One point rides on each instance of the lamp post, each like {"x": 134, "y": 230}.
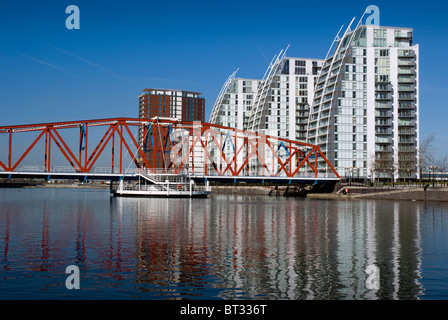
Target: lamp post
{"x": 350, "y": 175}
{"x": 392, "y": 176}
{"x": 442, "y": 176}
{"x": 430, "y": 169}
{"x": 434, "y": 175}
{"x": 346, "y": 170}
{"x": 433, "y": 168}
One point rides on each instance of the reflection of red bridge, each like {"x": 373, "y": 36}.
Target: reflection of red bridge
{"x": 199, "y": 149}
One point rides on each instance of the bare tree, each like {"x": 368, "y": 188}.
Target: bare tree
{"x": 425, "y": 153}
{"x": 382, "y": 165}
{"x": 442, "y": 165}
{"x": 442, "y": 162}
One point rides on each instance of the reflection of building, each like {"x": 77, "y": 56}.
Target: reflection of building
{"x": 383, "y": 234}
{"x": 258, "y": 249}
{"x": 166, "y": 103}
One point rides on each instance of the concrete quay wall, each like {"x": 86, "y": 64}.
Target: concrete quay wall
{"x": 412, "y": 194}
{"x": 254, "y": 190}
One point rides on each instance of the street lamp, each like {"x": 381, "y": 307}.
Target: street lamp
{"x": 430, "y": 170}
{"x": 442, "y": 176}
{"x": 392, "y": 176}
{"x": 346, "y": 170}
{"x": 433, "y": 169}
{"x": 434, "y": 175}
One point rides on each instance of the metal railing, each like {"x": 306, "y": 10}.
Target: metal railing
{"x": 63, "y": 169}
{"x": 161, "y": 188}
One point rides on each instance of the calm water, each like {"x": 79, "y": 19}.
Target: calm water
{"x": 224, "y": 247}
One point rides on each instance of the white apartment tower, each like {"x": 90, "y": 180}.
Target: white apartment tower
{"x": 235, "y": 102}
{"x": 278, "y": 105}
{"x": 365, "y": 111}
{"x": 282, "y": 103}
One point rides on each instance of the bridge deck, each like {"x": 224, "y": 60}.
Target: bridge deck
{"x": 134, "y": 176}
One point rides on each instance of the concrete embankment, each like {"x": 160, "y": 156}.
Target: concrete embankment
{"x": 253, "y": 190}
{"x": 407, "y": 194}
{"x": 273, "y": 191}
{"x": 343, "y": 193}
{"x": 56, "y": 185}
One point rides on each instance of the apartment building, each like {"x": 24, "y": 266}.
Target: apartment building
{"x": 277, "y": 105}
{"x": 365, "y": 111}
{"x": 167, "y": 103}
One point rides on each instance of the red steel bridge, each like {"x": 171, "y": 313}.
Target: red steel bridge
{"x": 116, "y": 148}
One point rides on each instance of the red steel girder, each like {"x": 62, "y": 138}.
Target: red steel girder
{"x": 248, "y": 146}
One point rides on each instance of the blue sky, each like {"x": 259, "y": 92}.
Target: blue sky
{"x": 50, "y": 73}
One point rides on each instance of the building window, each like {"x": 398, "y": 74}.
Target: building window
{"x": 379, "y": 33}
{"x": 300, "y": 70}
{"x": 384, "y": 52}
{"x": 379, "y": 42}
{"x": 285, "y": 69}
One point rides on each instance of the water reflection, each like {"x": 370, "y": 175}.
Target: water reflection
{"x": 255, "y": 247}
{"x": 225, "y": 247}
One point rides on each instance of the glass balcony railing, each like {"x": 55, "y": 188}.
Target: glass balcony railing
{"x": 383, "y": 131}
{"x": 406, "y": 122}
{"x": 382, "y": 122}
{"x": 383, "y": 114}
{"x": 406, "y": 63}
{"x": 406, "y": 96}
{"x": 383, "y": 96}
{"x": 383, "y": 148}
{"x": 407, "y": 105}
{"x": 403, "y": 87}
{"x": 406, "y": 114}
{"x": 383, "y": 87}
{"x": 403, "y": 35}
{"x": 406, "y": 71}
{"x": 406, "y": 53}
{"x": 406, "y": 79}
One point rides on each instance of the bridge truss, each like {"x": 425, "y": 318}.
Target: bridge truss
{"x": 194, "y": 148}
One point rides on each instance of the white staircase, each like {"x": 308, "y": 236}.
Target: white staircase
{"x": 162, "y": 177}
